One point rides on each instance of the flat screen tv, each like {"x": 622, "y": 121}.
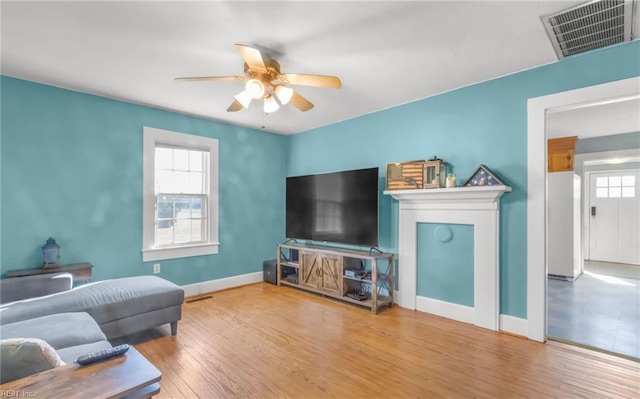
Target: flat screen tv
{"x": 340, "y": 207}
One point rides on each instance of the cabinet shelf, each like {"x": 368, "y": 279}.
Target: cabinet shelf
{"x": 381, "y": 277}
{"x": 321, "y": 270}
{"x": 382, "y": 301}
{"x": 289, "y": 263}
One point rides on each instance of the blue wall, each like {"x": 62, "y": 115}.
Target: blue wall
{"x": 72, "y": 169}
{"x": 445, "y": 262}
{"x": 483, "y": 123}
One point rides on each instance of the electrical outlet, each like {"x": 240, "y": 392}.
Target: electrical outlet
{"x": 156, "y": 268}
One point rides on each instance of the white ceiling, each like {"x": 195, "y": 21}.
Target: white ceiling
{"x": 595, "y": 120}
{"x": 385, "y": 53}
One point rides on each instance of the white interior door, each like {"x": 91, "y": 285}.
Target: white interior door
{"x": 614, "y": 217}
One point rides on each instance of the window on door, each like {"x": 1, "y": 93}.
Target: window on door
{"x": 622, "y": 186}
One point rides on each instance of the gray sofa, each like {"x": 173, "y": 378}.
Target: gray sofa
{"x": 120, "y": 306}
{"x": 77, "y": 321}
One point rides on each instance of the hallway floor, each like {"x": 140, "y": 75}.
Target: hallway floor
{"x": 597, "y": 310}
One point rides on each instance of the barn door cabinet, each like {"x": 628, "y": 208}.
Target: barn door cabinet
{"x": 338, "y": 273}
{"x": 320, "y": 272}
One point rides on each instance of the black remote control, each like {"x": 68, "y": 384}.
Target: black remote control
{"x": 102, "y": 355}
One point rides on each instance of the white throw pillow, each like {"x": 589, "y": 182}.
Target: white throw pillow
{"x": 20, "y": 357}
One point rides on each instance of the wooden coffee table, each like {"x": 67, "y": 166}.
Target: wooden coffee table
{"x": 129, "y": 374}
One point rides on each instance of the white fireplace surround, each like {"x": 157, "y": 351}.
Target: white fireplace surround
{"x": 477, "y": 206}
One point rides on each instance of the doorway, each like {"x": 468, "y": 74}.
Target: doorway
{"x": 599, "y": 307}
{"x": 538, "y": 109}
{"x": 590, "y": 300}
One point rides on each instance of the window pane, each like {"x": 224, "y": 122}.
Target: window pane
{"x": 614, "y": 192}
{"x": 164, "y": 235}
{"x": 164, "y": 158}
{"x": 164, "y": 220}
{"x": 182, "y": 230}
{"x": 183, "y": 208}
{"x": 602, "y": 181}
{"x": 601, "y": 192}
{"x": 628, "y": 181}
{"x": 628, "y": 192}
{"x": 195, "y": 183}
{"x": 164, "y": 181}
{"x": 164, "y": 207}
{"x": 197, "y": 229}
{"x": 181, "y": 182}
{"x": 181, "y": 159}
{"x": 195, "y": 161}
{"x": 615, "y": 181}
{"x": 196, "y": 209}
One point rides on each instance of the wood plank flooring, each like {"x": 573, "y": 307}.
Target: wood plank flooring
{"x": 263, "y": 341}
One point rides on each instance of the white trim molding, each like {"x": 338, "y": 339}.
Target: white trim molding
{"x": 477, "y": 206}
{"x": 449, "y": 310}
{"x": 513, "y": 325}
{"x": 537, "y": 108}
{"x": 151, "y": 138}
{"x": 222, "y": 284}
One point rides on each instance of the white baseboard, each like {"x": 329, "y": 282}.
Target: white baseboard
{"x": 513, "y": 325}
{"x": 449, "y": 310}
{"x": 221, "y": 284}
{"x": 465, "y": 314}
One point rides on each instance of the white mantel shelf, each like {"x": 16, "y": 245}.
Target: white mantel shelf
{"x": 459, "y": 194}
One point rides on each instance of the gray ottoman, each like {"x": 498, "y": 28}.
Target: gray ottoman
{"x": 120, "y": 306}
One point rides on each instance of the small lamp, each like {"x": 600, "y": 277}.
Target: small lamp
{"x": 435, "y": 173}
{"x": 50, "y": 253}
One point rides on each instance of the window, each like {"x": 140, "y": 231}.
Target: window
{"x": 180, "y": 209}
{"x": 616, "y": 187}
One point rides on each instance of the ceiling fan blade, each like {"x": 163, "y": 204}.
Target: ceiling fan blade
{"x": 235, "y": 106}
{"x": 201, "y": 78}
{"x": 300, "y": 102}
{"x": 251, "y": 56}
{"x": 331, "y": 82}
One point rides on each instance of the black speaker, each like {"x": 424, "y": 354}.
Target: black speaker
{"x": 269, "y": 271}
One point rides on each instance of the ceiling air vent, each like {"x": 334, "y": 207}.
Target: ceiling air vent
{"x": 589, "y": 26}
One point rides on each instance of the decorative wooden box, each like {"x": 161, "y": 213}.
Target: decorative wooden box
{"x": 405, "y": 175}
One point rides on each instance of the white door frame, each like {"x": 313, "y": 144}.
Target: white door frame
{"x": 537, "y": 109}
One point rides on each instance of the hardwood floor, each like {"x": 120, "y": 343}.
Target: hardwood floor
{"x": 263, "y": 341}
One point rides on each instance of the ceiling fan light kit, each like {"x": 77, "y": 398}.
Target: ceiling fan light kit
{"x": 265, "y": 81}
{"x": 270, "y": 104}
{"x": 243, "y": 98}
{"x": 255, "y": 88}
{"x": 284, "y": 94}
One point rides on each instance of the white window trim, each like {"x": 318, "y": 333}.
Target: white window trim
{"x": 152, "y": 137}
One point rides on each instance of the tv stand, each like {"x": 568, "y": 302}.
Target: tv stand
{"x": 357, "y": 277}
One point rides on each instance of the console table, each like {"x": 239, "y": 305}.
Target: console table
{"x": 81, "y": 272}
{"x": 128, "y": 376}
{"x": 358, "y": 277}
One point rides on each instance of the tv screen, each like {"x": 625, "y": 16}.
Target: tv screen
{"x": 340, "y": 207}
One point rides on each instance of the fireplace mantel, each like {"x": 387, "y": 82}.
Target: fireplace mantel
{"x": 458, "y": 195}
{"x": 477, "y": 206}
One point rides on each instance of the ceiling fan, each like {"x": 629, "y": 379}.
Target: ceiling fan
{"x": 265, "y": 81}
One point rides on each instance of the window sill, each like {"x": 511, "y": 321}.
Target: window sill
{"x": 154, "y": 254}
